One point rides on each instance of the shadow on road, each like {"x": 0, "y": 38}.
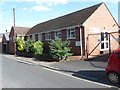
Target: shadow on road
{"x": 97, "y": 76}
{"x": 99, "y": 61}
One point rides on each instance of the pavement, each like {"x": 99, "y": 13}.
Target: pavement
{"x": 93, "y": 70}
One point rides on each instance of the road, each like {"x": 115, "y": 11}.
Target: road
{"x": 16, "y": 74}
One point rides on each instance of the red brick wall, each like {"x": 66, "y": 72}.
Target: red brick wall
{"x": 75, "y": 49}
{"x": 43, "y": 37}
{"x": 52, "y": 35}
{"x": 64, "y": 35}
{"x": 12, "y": 44}
{"x": 12, "y": 47}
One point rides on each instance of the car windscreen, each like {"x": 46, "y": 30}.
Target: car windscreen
{"x": 118, "y": 54}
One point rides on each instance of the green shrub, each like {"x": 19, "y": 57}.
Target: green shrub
{"x": 38, "y": 47}
{"x": 60, "y": 49}
{"x": 20, "y": 44}
{"x": 35, "y": 47}
{"x": 29, "y": 46}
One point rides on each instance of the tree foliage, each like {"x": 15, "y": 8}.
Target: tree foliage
{"x": 20, "y": 44}
{"x": 38, "y": 47}
{"x": 60, "y": 49}
{"x": 29, "y": 46}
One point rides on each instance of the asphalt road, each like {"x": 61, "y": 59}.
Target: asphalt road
{"x": 17, "y": 74}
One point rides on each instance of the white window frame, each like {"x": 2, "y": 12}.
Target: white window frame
{"x": 39, "y": 37}
{"x": 104, "y": 42}
{"x": 69, "y": 33}
{"x": 47, "y": 36}
{"x": 57, "y": 33}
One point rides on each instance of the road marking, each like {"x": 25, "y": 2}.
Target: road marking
{"x": 110, "y": 86}
{"x": 24, "y": 62}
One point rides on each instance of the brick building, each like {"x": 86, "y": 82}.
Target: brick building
{"x": 84, "y": 29}
{"x": 15, "y": 33}
{"x": 5, "y": 42}
{"x": 76, "y": 27}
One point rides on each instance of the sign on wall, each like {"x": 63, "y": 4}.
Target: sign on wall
{"x": 77, "y": 43}
{"x": 94, "y": 30}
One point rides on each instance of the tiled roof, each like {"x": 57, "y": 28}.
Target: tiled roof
{"x": 75, "y": 18}
{"x": 22, "y": 30}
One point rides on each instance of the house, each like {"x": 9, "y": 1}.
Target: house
{"x": 1, "y": 35}
{"x": 84, "y": 29}
{"x": 5, "y": 42}
{"x": 16, "y": 33}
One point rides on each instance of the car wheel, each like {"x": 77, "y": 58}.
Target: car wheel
{"x": 113, "y": 77}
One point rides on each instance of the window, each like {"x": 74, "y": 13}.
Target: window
{"x": 58, "y": 35}
{"x": 71, "y": 34}
{"x": 47, "y": 36}
{"x": 104, "y": 41}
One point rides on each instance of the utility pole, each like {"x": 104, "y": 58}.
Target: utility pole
{"x": 14, "y": 16}
{"x": 14, "y": 22}
{"x": 14, "y": 32}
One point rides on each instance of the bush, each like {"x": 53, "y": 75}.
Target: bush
{"x": 20, "y": 44}
{"x": 59, "y": 49}
{"x": 29, "y": 46}
{"x": 35, "y": 47}
{"x": 38, "y": 47}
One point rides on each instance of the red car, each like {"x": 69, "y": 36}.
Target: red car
{"x": 113, "y": 67}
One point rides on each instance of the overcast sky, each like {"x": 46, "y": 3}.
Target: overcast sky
{"x": 32, "y": 12}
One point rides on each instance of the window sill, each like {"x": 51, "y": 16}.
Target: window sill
{"x": 48, "y": 40}
{"x": 71, "y": 38}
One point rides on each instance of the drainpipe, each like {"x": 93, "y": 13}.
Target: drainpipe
{"x": 81, "y": 47}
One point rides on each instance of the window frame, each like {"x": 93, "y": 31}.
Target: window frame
{"x": 46, "y": 36}
{"x": 56, "y": 34}
{"x": 69, "y": 33}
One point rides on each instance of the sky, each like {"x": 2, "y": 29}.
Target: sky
{"x": 31, "y": 12}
